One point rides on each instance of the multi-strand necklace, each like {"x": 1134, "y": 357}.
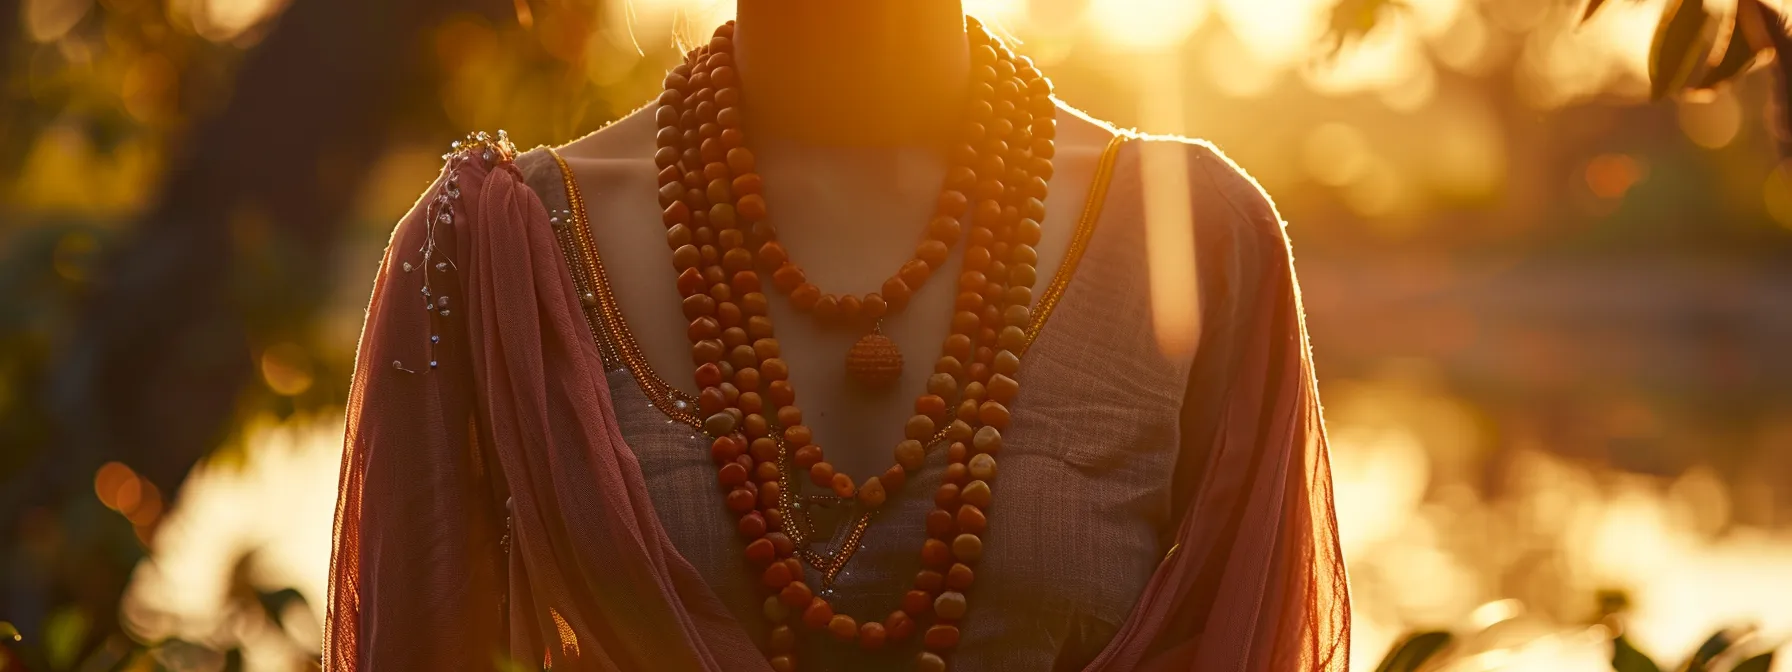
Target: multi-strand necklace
{"x": 722, "y": 239}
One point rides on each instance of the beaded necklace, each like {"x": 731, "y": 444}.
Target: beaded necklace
{"x": 717, "y": 227}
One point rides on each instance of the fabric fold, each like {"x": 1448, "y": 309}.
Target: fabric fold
{"x": 497, "y": 361}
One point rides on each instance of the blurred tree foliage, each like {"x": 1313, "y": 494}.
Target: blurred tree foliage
{"x": 202, "y": 169}
{"x": 183, "y": 179}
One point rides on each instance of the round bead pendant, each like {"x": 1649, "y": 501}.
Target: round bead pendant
{"x": 874, "y": 361}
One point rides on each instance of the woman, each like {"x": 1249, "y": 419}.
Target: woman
{"x": 563, "y": 448}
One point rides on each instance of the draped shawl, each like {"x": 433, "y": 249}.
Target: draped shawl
{"x": 489, "y": 509}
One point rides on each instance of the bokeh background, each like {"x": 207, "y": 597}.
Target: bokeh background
{"x": 1551, "y": 317}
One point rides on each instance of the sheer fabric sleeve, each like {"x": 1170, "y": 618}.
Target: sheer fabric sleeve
{"x": 413, "y": 575}
{"x": 500, "y": 364}
{"x": 1254, "y": 579}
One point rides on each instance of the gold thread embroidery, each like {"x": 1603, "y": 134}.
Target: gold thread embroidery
{"x": 1079, "y": 242}
{"x": 601, "y": 309}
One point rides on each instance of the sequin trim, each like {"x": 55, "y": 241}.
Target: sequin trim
{"x": 439, "y": 213}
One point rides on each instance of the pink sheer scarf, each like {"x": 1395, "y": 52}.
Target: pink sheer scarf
{"x": 489, "y": 387}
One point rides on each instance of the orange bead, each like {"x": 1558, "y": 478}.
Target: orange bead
{"x": 874, "y": 306}
{"x": 943, "y": 384}
{"x": 929, "y": 581}
{"x": 960, "y": 577}
{"x": 782, "y": 663}
{"x": 798, "y": 435}
{"x": 894, "y": 477}
{"x": 776, "y": 576}
{"x": 976, "y": 258}
{"x": 940, "y": 637}
{"x": 843, "y": 627}
{"x": 741, "y": 500}
{"x": 965, "y": 322}
{"x": 987, "y": 440}
{"x": 760, "y": 551}
{"x": 779, "y": 392}
{"x": 914, "y": 272}
{"x": 782, "y": 640}
{"x": 707, "y": 350}
{"x": 957, "y": 452}
{"x": 934, "y": 553}
{"x": 781, "y": 544}
{"x": 946, "y": 497}
{"x": 788, "y": 276}
{"x": 750, "y": 207}
{"x": 699, "y": 305}
{"x": 951, "y": 203}
{"x": 899, "y": 625}
{"x": 967, "y": 410}
{"x": 944, "y": 229}
{"x": 749, "y": 183}
{"x": 790, "y": 415}
{"x": 959, "y": 431}
{"x": 807, "y": 457}
{"x": 917, "y": 602}
{"x": 967, "y": 548}
{"x": 775, "y": 370}
{"x": 745, "y": 282}
{"x": 740, "y": 159}
{"x": 826, "y": 308}
{"x": 805, "y": 296}
{"x": 872, "y": 636}
{"x": 971, "y": 520}
{"x": 950, "y": 605}
{"x": 763, "y": 449}
{"x": 795, "y": 594}
{"x": 849, "y": 306}
{"x": 982, "y": 467}
{"x": 956, "y": 474}
{"x": 940, "y": 524}
{"x": 993, "y": 414}
{"x": 822, "y": 474}
{"x": 818, "y": 613}
{"x": 896, "y": 291}
{"x": 932, "y": 406}
{"x": 1001, "y": 388}
{"x": 933, "y": 252}
{"x": 928, "y": 661}
{"x": 690, "y": 281}
{"x": 911, "y": 454}
{"x": 842, "y": 485}
{"x": 919, "y": 427}
{"x": 872, "y": 494}
{"x": 705, "y": 328}
{"x": 732, "y": 473}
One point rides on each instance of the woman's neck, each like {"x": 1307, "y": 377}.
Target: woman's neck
{"x": 851, "y": 72}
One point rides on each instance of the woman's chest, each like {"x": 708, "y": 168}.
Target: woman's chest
{"x": 1078, "y": 505}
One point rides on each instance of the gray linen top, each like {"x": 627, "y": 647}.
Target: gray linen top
{"x": 1088, "y": 463}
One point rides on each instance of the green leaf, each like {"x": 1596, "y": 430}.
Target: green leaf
{"x": 64, "y": 632}
{"x": 1740, "y": 51}
{"x": 1759, "y": 663}
{"x": 1625, "y": 657}
{"x": 1676, "y": 52}
{"x": 1413, "y": 651}
{"x": 1717, "y": 643}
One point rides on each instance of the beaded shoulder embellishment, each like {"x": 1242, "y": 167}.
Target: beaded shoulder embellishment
{"x": 494, "y": 150}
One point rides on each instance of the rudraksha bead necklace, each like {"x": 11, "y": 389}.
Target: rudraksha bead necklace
{"x": 717, "y": 226}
